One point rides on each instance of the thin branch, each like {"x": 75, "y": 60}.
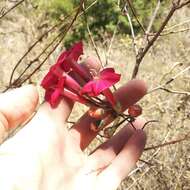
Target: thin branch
{"x": 39, "y": 40}
{"x": 180, "y": 73}
{"x": 135, "y": 15}
{"x": 171, "y": 70}
{"x": 172, "y": 32}
{"x": 126, "y": 12}
{"x": 91, "y": 37}
{"x": 186, "y": 137}
{"x": 18, "y": 80}
{"x": 169, "y": 81}
{"x": 142, "y": 52}
{"x": 176, "y": 25}
{"x": 182, "y": 4}
{"x": 175, "y": 92}
{"x": 153, "y": 17}
{"x": 111, "y": 42}
{"x": 65, "y": 32}
{"x": 35, "y": 60}
{"x": 29, "y": 50}
{"x": 9, "y": 10}
{"x": 66, "y": 18}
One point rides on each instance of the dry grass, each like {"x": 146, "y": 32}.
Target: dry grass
{"x": 170, "y": 166}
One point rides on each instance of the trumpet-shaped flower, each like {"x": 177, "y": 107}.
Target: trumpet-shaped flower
{"x": 100, "y": 84}
{"x": 58, "y": 83}
{"x": 106, "y": 79}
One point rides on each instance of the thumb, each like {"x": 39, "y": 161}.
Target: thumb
{"x": 15, "y": 108}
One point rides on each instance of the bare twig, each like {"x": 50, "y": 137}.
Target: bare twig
{"x": 182, "y": 4}
{"x": 172, "y": 32}
{"x": 63, "y": 35}
{"x": 66, "y": 18}
{"x": 13, "y": 7}
{"x": 111, "y": 42}
{"x": 29, "y": 50}
{"x": 186, "y": 137}
{"x": 135, "y": 15}
{"x": 91, "y": 38}
{"x": 151, "y": 121}
{"x": 171, "y": 70}
{"x": 180, "y": 73}
{"x": 175, "y": 92}
{"x": 142, "y": 52}
{"x": 153, "y": 17}
{"x": 19, "y": 79}
{"x": 162, "y": 86}
{"x": 126, "y": 12}
{"x": 176, "y": 25}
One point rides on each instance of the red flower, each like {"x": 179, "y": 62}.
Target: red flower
{"x": 101, "y": 84}
{"x": 58, "y": 83}
{"x": 106, "y": 79}
{"x": 69, "y": 57}
{"x": 53, "y": 96}
{"x": 51, "y": 77}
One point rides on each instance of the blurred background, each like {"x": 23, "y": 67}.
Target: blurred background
{"x": 34, "y": 32}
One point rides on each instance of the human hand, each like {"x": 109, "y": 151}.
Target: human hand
{"x": 46, "y": 155}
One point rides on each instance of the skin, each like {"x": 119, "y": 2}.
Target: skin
{"x": 45, "y": 155}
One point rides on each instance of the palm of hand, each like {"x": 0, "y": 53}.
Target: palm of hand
{"x": 45, "y": 155}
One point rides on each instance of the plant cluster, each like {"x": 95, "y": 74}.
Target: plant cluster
{"x": 88, "y": 85}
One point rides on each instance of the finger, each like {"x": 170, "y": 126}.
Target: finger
{"x": 91, "y": 65}
{"x": 124, "y": 162}
{"x": 106, "y": 152}
{"x": 127, "y": 95}
{"x": 57, "y": 116}
{"x": 15, "y": 107}
{"x": 50, "y": 121}
{"x": 45, "y": 133}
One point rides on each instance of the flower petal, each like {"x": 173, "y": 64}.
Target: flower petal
{"x": 49, "y": 80}
{"x": 76, "y": 51}
{"x": 55, "y": 98}
{"x": 67, "y": 57}
{"x": 71, "y": 83}
{"x": 48, "y": 94}
{"x": 107, "y": 71}
{"x": 109, "y": 74}
{"x": 95, "y": 87}
{"x": 80, "y": 71}
{"x": 109, "y": 97}
{"x": 73, "y": 96}
{"x": 89, "y": 88}
{"x": 62, "y": 57}
{"x": 108, "y": 77}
